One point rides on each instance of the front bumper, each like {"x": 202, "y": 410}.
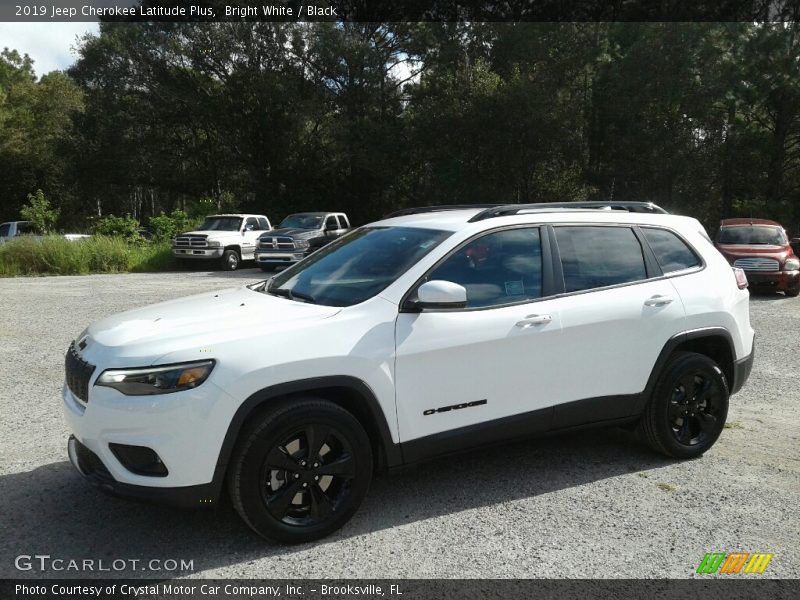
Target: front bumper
{"x": 777, "y": 280}
{"x": 185, "y": 429}
{"x": 198, "y": 252}
{"x": 91, "y": 468}
{"x": 280, "y": 258}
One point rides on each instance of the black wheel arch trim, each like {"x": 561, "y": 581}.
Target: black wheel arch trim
{"x": 737, "y": 374}
{"x": 392, "y": 456}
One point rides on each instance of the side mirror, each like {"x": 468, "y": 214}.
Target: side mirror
{"x": 441, "y": 294}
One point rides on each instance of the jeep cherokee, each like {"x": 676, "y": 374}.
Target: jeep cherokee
{"x": 413, "y": 337}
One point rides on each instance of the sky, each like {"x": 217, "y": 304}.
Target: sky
{"x": 48, "y": 44}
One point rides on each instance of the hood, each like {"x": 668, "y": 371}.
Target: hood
{"x": 293, "y": 233}
{"x": 212, "y": 233}
{"x": 195, "y": 324}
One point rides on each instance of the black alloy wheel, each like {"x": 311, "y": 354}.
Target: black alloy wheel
{"x": 688, "y": 408}
{"x": 308, "y": 476}
{"x": 300, "y": 470}
{"x": 695, "y": 408}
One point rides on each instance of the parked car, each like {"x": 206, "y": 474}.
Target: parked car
{"x": 760, "y": 247}
{"x": 228, "y": 239}
{"x": 297, "y": 236}
{"x": 13, "y": 229}
{"x": 398, "y": 343}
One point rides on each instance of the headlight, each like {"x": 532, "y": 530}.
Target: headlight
{"x": 157, "y": 380}
{"x": 213, "y": 244}
{"x": 792, "y": 264}
{"x": 301, "y": 244}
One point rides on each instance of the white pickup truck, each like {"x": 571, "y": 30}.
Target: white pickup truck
{"x": 229, "y": 239}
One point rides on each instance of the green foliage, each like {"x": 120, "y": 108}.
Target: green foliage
{"x": 39, "y": 211}
{"x": 125, "y": 227}
{"x": 165, "y": 227}
{"x": 53, "y": 255}
{"x": 703, "y": 118}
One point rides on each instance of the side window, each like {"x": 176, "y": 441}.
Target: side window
{"x": 5, "y": 229}
{"x": 343, "y": 224}
{"x": 497, "y": 268}
{"x": 263, "y": 224}
{"x": 331, "y": 223}
{"x": 594, "y": 257}
{"x": 671, "y": 251}
{"x": 251, "y": 224}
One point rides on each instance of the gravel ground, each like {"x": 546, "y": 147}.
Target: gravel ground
{"x": 594, "y": 504}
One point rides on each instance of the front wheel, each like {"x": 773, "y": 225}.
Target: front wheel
{"x": 687, "y": 411}
{"x": 300, "y": 470}
{"x": 230, "y": 260}
{"x": 792, "y": 293}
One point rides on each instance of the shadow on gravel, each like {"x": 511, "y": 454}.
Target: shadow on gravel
{"x": 767, "y": 296}
{"x": 50, "y": 510}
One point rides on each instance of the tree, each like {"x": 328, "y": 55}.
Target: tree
{"x": 39, "y": 211}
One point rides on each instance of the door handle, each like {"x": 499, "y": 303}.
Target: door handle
{"x": 658, "y": 300}
{"x": 534, "y": 320}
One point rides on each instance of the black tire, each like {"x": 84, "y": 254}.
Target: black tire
{"x": 688, "y": 408}
{"x": 230, "y": 260}
{"x": 792, "y": 293}
{"x": 300, "y": 470}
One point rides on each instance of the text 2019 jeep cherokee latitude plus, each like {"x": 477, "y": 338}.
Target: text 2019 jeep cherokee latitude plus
{"x": 412, "y": 337}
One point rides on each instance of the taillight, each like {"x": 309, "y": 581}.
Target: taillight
{"x": 741, "y": 278}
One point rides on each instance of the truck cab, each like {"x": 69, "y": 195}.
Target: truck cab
{"x": 12, "y": 229}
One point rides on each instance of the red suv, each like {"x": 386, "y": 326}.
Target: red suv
{"x": 761, "y": 248}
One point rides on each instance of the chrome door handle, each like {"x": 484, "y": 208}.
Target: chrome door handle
{"x": 534, "y": 320}
{"x": 658, "y": 300}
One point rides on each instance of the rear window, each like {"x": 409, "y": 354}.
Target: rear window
{"x": 753, "y": 235}
{"x": 594, "y": 257}
{"x": 671, "y": 252}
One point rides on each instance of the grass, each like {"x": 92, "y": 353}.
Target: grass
{"x": 666, "y": 487}
{"x": 733, "y": 425}
{"x": 53, "y": 255}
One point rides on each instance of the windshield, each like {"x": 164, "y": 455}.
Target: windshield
{"x": 357, "y": 266}
{"x": 221, "y": 224}
{"x": 753, "y": 235}
{"x": 301, "y": 222}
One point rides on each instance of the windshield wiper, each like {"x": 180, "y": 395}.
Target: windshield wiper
{"x": 292, "y": 295}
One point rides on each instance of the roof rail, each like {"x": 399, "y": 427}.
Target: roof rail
{"x": 436, "y": 208}
{"x": 515, "y": 209}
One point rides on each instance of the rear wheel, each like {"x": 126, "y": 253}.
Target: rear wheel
{"x": 300, "y": 470}
{"x": 230, "y": 260}
{"x": 687, "y": 411}
{"x": 793, "y": 293}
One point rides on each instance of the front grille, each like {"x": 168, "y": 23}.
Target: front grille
{"x": 757, "y": 264}
{"x": 276, "y": 243}
{"x": 78, "y": 373}
{"x": 191, "y": 241}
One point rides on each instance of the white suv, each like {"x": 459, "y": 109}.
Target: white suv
{"x": 413, "y": 337}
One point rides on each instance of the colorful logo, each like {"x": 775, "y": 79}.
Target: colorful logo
{"x": 734, "y": 563}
